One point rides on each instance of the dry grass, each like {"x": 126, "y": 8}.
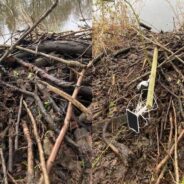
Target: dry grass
{"x": 109, "y": 23}
{"x": 111, "y": 19}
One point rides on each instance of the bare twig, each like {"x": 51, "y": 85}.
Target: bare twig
{"x": 167, "y": 89}
{"x": 58, "y": 111}
{"x": 29, "y": 30}
{"x": 158, "y": 141}
{"x": 169, "y": 142}
{"x": 162, "y": 46}
{"x": 40, "y": 149}
{"x": 10, "y": 145}
{"x": 63, "y": 61}
{"x": 3, "y": 166}
{"x": 80, "y": 8}
{"x": 109, "y": 143}
{"x": 171, "y": 131}
{"x": 42, "y": 74}
{"x": 17, "y": 123}
{"x": 30, "y": 171}
{"x": 166, "y": 158}
{"x": 177, "y": 70}
{"x": 46, "y": 116}
{"x": 168, "y": 60}
{"x": 161, "y": 175}
{"x": 11, "y": 178}
{"x": 176, "y": 146}
{"x": 64, "y": 129}
{"x": 177, "y": 97}
{"x": 121, "y": 51}
{"x": 68, "y": 116}
{"x": 67, "y": 97}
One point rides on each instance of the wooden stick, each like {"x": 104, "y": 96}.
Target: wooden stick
{"x": 63, "y": 61}
{"x": 67, "y": 97}
{"x": 29, "y": 30}
{"x": 168, "y": 60}
{"x": 17, "y": 123}
{"x": 3, "y": 166}
{"x": 147, "y": 73}
{"x": 161, "y": 46}
{"x": 176, "y": 146}
{"x": 11, "y": 178}
{"x": 65, "y": 126}
{"x": 44, "y": 75}
{"x": 161, "y": 175}
{"x": 10, "y": 146}
{"x": 171, "y": 131}
{"x": 166, "y": 158}
{"x": 30, "y": 165}
{"x": 40, "y": 149}
{"x": 47, "y": 117}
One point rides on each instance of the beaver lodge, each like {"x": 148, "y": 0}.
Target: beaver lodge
{"x": 71, "y": 116}
{"x": 155, "y": 155}
{"x": 45, "y": 84}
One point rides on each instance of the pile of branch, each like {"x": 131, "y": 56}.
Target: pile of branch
{"x": 45, "y": 94}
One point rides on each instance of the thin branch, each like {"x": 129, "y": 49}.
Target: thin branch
{"x": 171, "y": 131}
{"x": 166, "y": 158}
{"x": 176, "y": 146}
{"x": 162, "y": 46}
{"x": 168, "y": 60}
{"x": 30, "y": 165}
{"x": 63, "y": 61}
{"x": 47, "y": 117}
{"x": 11, "y": 178}
{"x": 177, "y": 70}
{"x": 17, "y": 123}
{"x": 161, "y": 175}
{"x": 67, "y": 97}
{"x": 3, "y": 166}
{"x": 44, "y": 75}
{"x": 10, "y": 146}
{"x": 40, "y": 149}
{"x": 65, "y": 126}
{"x": 64, "y": 129}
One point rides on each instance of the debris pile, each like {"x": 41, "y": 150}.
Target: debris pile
{"x": 45, "y": 87}
{"x": 156, "y": 153}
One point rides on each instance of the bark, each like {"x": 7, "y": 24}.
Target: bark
{"x": 67, "y": 48}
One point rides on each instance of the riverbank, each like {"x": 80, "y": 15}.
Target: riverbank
{"x": 121, "y": 155}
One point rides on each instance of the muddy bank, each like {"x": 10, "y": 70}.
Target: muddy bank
{"x": 121, "y": 155}
{"x": 46, "y": 91}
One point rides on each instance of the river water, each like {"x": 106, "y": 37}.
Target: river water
{"x": 165, "y": 15}
{"x": 15, "y": 15}
{"x": 19, "y": 14}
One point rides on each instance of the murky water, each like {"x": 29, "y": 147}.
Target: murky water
{"x": 165, "y": 15}
{"x": 19, "y": 14}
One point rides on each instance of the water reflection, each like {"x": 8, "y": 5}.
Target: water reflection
{"x": 21, "y": 13}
